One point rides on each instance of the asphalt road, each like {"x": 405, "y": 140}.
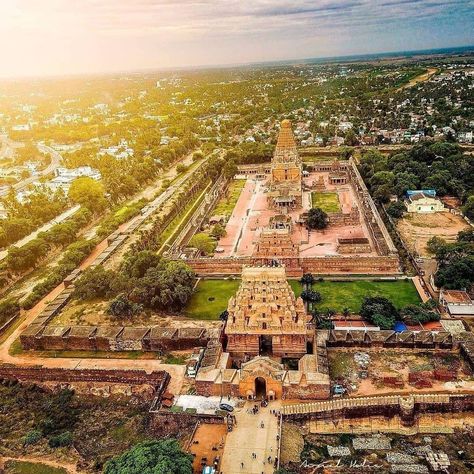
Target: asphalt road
{"x": 56, "y": 159}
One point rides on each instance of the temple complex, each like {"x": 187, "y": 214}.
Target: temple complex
{"x": 268, "y": 223}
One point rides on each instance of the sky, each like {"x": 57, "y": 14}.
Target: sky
{"x": 51, "y": 37}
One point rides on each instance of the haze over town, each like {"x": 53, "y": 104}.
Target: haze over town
{"x": 56, "y": 37}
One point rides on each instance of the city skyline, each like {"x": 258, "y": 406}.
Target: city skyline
{"x": 56, "y": 37}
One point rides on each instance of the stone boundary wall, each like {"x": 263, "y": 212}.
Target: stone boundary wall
{"x": 379, "y": 232}
{"x": 391, "y": 339}
{"x": 37, "y": 374}
{"x": 295, "y": 267}
{"x": 200, "y": 214}
{"x": 406, "y": 407}
{"x": 110, "y": 338}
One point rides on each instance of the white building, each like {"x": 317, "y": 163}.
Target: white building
{"x": 457, "y": 303}
{"x": 423, "y": 201}
{"x": 65, "y": 177}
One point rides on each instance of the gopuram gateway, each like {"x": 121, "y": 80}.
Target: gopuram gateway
{"x": 267, "y": 331}
{"x": 268, "y": 223}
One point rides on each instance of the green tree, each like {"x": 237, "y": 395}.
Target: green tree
{"x": 396, "y": 209}
{"x": 317, "y": 219}
{"x": 203, "y": 242}
{"x": 218, "y": 231}
{"x": 380, "y": 311}
{"x": 468, "y": 208}
{"x": 121, "y": 306}
{"x": 98, "y": 283}
{"x": 88, "y": 193}
{"x": 382, "y": 321}
{"x": 152, "y": 457}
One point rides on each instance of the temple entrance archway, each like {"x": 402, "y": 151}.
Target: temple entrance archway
{"x": 260, "y": 388}
{"x": 265, "y": 344}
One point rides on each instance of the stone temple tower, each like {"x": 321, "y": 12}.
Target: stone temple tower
{"x": 285, "y": 187}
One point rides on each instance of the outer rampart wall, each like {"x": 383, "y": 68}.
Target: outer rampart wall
{"x": 43, "y": 374}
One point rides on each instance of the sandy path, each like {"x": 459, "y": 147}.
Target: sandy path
{"x": 70, "y": 468}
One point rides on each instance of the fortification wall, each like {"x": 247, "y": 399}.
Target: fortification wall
{"x": 407, "y": 408}
{"x": 94, "y": 381}
{"x": 90, "y": 338}
{"x": 370, "y": 265}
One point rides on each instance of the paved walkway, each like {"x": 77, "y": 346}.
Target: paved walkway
{"x": 249, "y": 437}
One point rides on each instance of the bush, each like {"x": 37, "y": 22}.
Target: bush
{"x": 61, "y": 440}
{"x": 414, "y": 314}
{"x": 8, "y": 309}
{"x": 32, "y": 437}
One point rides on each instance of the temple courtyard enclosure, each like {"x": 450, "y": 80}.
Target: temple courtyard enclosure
{"x": 252, "y": 213}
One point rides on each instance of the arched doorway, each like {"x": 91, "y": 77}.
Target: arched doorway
{"x": 260, "y": 388}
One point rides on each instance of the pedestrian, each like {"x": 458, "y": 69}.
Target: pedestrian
{"x": 241, "y": 465}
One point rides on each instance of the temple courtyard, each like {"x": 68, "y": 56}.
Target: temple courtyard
{"x": 253, "y": 213}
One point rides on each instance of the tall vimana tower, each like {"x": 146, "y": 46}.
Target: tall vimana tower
{"x": 285, "y": 188}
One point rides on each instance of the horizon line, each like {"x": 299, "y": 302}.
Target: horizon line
{"x": 355, "y": 57}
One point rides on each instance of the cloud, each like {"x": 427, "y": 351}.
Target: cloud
{"x": 164, "y": 32}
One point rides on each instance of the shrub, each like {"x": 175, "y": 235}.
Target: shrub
{"x": 61, "y": 440}
{"x": 32, "y": 437}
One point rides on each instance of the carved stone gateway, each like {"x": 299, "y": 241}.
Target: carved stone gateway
{"x": 265, "y": 317}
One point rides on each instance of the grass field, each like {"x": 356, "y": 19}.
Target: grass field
{"x": 328, "y": 202}
{"x": 338, "y": 295}
{"x": 227, "y": 203}
{"x": 210, "y": 298}
{"x": 23, "y": 467}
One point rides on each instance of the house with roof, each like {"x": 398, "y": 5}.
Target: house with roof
{"x": 457, "y": 303}
{"x": 423, "y": 201}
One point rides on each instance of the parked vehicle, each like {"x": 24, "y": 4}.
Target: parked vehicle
{"x": 226, "y": 407}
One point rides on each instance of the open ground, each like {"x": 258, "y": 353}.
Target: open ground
{"x": 417, "y": 229}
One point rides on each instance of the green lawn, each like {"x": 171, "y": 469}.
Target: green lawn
{"x": 328, "y": 202}
{"x": 338, "y": 295}
{"x": 23, "y": 467}
{"x": 227, "y": 203}
{"x": 210, "y": 298}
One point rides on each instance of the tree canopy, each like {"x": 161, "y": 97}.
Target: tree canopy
{"x": 317, "y": 219}
{"x": 152, "y": 457}
{"x": 88, "y": 193}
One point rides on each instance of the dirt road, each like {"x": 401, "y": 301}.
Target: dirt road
{"x": 70, "y": 468}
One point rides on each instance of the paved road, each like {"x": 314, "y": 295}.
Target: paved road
{"x": 56, "y": 159}
{"x": 249, "y": 437}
